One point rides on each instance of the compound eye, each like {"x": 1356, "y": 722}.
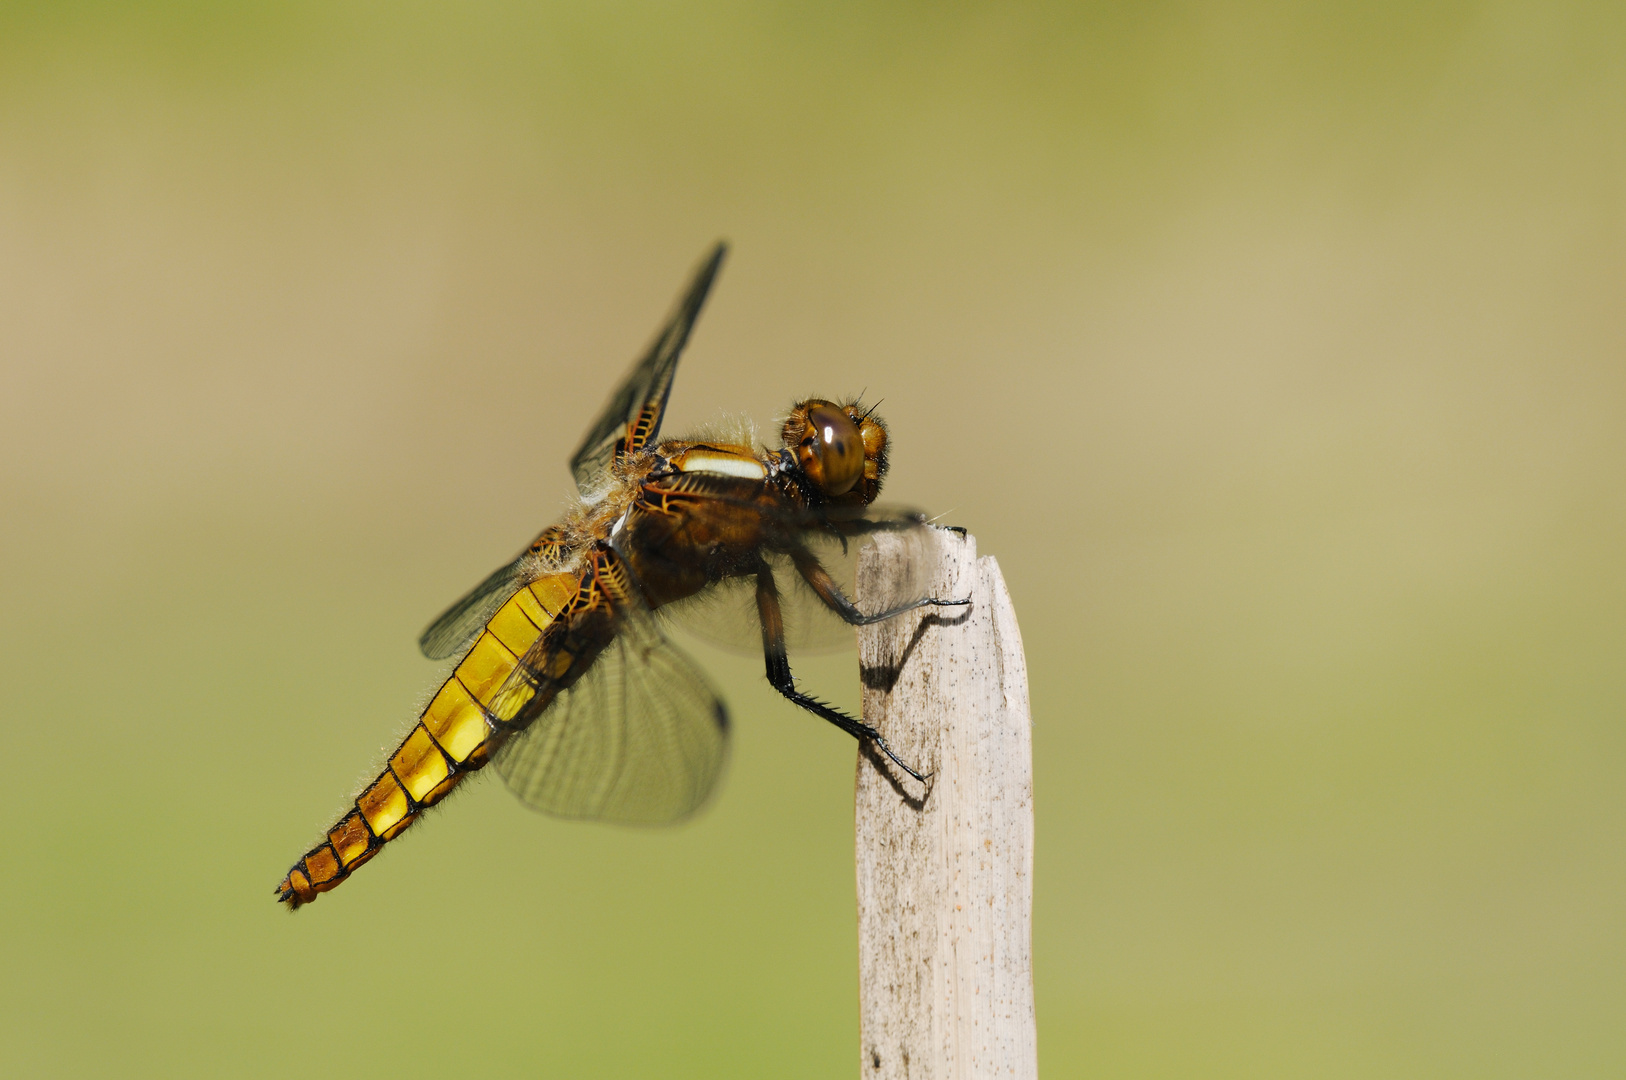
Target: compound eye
{"x": 831, "y": 452}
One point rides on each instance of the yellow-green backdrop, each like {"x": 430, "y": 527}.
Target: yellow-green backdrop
{"x": 1278, "y": 352}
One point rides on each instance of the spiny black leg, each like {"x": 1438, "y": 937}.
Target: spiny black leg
{"x": 814, "y": 573}
{"x": 779, "y": 676}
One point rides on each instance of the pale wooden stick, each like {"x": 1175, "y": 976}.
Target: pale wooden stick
{"x": 945, "y": 869}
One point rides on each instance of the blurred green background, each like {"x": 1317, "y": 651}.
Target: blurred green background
{"x": 1275, "y": 350}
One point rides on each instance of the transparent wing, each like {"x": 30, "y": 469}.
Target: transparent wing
{"x": 635, "y": 410}
{"x": 458, "y": 626}
{"x": 725, "y": 613}
{"x": 640, "y": 738}
{"x": 461, "y": 623}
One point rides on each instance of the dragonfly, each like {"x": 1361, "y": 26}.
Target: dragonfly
{"x": 567, "y": 683}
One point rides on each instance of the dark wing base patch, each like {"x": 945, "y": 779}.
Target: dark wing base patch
{"x": 632, "y": 419}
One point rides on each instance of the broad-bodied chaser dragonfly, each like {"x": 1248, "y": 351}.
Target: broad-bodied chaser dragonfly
{"x": 567, "y": 684}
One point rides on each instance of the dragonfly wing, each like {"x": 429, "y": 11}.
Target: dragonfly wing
{"x": 725, "y": 613}
{"x": 640, "y": 738}
{"x": 632, "y": 418}
{"x": 461, "y": 623}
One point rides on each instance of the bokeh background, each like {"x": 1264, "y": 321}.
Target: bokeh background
{"x": 1275, "y": 350}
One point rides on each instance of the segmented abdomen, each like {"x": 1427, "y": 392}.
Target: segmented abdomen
{"x": 451, "y": 739}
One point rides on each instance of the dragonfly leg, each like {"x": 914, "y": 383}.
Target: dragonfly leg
{"x": 780, "y": 678}
{"x": 814, "y": 573}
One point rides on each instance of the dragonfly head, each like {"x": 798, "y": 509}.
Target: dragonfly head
{"x": 839, "y": 448}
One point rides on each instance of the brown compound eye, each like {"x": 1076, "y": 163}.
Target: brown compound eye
{"x": 831, "y": 451}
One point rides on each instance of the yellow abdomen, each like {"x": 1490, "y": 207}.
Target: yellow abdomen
{"x": 450, "y": 740}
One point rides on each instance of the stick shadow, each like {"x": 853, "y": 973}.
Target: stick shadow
{"x": 884, "y": 677}
{"x": 896, "y": 776}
